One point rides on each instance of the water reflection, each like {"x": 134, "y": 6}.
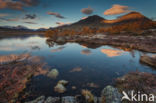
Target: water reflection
{"x": 58, "y": 49}
{"x": 112, "y": 52}
{"x": 92, "y": 72}
{"x": 86, "y": 52}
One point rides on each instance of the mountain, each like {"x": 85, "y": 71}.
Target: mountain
{"x": 95, "y": 21}
{"x": 15, "y": 28}
{"x": 130, "y": 17}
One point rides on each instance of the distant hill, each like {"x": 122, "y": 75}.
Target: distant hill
{"x": 15, "y": 28}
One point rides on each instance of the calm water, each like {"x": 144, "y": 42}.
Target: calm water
{"x": 99, "y": 66}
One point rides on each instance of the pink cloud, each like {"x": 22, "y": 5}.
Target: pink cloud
{"x": 117, "y": 9}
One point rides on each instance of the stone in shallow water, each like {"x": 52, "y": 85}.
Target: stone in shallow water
{"x": 88, "y": 95}
{"x": 53, "y": 73}
{"x": 38, "y": 100}
{"x": 52, "y": 100}
{"x": 110, "y": 95}
{"x": 59, "y": 88}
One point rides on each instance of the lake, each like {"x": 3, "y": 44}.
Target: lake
{"x": 84, "y": 67}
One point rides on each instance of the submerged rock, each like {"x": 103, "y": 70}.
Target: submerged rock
{"x": 7, "y": 59}
{"x": 60, "y": 87}
{"x": 110, "y": 95}
{"x": 88, "y": 96}
{"x": 15, "y": 75}
{"x": 63, "y": 82}
{"x": 38, "y": 100}
{"x": 52, "y": 100}
{"x": 53, "y": 73}
{"x": 149, "y": 60}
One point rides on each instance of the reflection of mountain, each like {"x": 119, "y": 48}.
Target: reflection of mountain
{"x": 111, "y": 52}
{"x": 86, "y": 52}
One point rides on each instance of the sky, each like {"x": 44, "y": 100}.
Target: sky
{"x": 36, "y": 14}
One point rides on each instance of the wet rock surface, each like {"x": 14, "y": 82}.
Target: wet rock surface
{"x": 110, "y": 95}
{"x": 148, "y": 60}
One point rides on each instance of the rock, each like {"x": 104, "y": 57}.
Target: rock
{"x": 151, "y": 61}
{"x": 68, "y": 99}
{"x": 38, "y": 100}
{"x": 73, "y": 87}
{"x": 53, "y": 73}
{"x": 60, "y": 40}
{"x": 110, "y": 95}
{"x": 88, "y": 96}
{"x": 52, "y": 100}
{"x": 63, "y": 82}
{"x": 59, "y": 88}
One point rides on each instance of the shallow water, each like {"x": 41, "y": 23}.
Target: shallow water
{"x": 98, "y": 66}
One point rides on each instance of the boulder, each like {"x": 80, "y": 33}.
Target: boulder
{"x": 53, "y": 73}
{"x": 110, "y": 95}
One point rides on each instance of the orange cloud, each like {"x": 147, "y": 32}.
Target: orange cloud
{"x": 111, "y": 52}
{"x": 117, "y": 9}
{"x": 17, "y": 5}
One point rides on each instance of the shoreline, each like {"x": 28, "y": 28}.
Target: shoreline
{"x": 142, "y": 43}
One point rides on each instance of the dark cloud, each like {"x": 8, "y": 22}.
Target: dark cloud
{"x": 30, "y": 16}
{"x": 31, "y": 2}
{"x": 17, "y": 5}
{"x": 56, "y": 15}
{"x": 30, "y": 22}
{"x": 87, "y": 11}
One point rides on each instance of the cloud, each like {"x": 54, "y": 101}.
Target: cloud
{"x": 10, "y": 19}
{"x": 56, "y": 15}
{"x": 17, "y": 5}
{"x": 30, "y": 16}
{"x": 87, "y": 11}
{"x": 62, "y": 23}
{"x": 3, "y": 15}
{"x": 29, "y": 22}
{"x": 117, "y": 9}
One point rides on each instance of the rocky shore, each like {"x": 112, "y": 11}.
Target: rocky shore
{"x": 143, "y": 43}
{"x": 135, "y": 81}
{"x": 149, "y": 60}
